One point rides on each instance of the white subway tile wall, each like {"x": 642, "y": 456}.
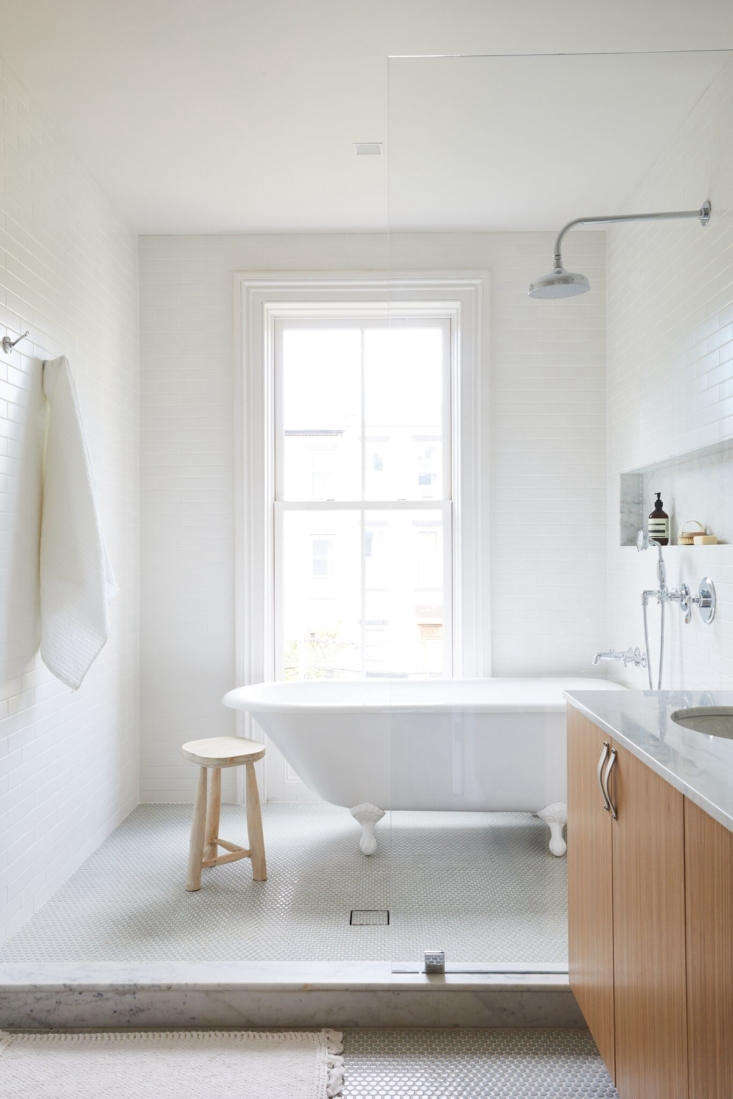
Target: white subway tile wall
{"x": 670, "y": 381}
{"x": 69, "y": 762}
{"x": 547, "y": 522}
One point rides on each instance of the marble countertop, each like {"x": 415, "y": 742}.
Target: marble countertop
{"x": 698, "y": 765}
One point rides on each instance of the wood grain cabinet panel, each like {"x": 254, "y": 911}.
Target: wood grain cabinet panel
{"x": 648, "y": 933}
{"x": 590, "y": 897}
{"x": 650, "y": 922}
{"x": 709, "y": 905}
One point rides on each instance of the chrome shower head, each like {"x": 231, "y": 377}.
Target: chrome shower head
{"x": 559, "y": 284}
{"x": 644, "y": 542}
{"x": 565, "y": 284}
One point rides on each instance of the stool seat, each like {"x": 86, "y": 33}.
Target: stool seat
{"x": 223, "y": 751}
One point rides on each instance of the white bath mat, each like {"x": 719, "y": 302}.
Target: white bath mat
{"x": 193, "y": 1064}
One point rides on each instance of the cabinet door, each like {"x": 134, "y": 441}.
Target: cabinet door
{"x": 590, "y": 896}
{"x": 709, "y": 890}
{"x": 648, "y": 933}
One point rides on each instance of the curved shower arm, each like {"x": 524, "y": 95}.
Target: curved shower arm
{"x": 703, "y": 215}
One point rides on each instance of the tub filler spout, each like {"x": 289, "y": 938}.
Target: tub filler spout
{"x": 368, "y": 816}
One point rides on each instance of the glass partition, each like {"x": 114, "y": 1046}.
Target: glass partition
{"x": 488, "y": 158}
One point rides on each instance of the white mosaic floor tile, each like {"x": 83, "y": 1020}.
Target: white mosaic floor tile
{"x": 473, "y": 1064}
{"x": 481, "y": 886}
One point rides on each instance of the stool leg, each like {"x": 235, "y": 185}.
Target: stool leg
{"x": 198, "y": 828}
{"x": 254, "y": 826}
{"x": 212, "y": 815}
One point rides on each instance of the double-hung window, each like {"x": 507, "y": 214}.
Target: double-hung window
{"x": 363, "y": 494}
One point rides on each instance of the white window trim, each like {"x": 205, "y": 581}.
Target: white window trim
{"x": 259, "y": 298}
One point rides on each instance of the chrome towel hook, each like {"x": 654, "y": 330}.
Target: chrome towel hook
{"x": 9, "y": 344}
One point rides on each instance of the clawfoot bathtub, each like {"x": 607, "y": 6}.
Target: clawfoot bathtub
{"x": 473, "y": 745}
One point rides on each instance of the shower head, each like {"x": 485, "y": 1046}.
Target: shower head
{"x": 644, "y": 542}
{"x": 559, "y": 284}
{"x": 565, "y": 284}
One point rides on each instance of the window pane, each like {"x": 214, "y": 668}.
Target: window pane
{"x": 404, "y": 594}
{"x": 362, "y": 592}
{"x": 321, "y": 410}
{"x": 321, "y": 595}
{"x": 403, "y": 412}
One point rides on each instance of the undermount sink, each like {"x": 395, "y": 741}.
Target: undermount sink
{"x": 713, "y": 720}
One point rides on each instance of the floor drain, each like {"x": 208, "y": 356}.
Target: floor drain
{"x": 369, "y": 917}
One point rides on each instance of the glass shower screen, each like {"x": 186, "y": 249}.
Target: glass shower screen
{"x": 503, "y": 550}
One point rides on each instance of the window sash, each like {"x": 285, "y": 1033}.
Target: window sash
{"x": 445, "y": 507}
{"x": 336, "y": 320}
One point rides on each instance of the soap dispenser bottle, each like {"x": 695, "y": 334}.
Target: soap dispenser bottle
{"x": 658, "y": 525}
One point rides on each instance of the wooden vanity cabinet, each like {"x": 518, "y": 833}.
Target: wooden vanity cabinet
{"x": 590, "y": 886}
{"x": 709, "y": 918}
{"x": 650, "y": 1019}
{"x": 650, "y": 926}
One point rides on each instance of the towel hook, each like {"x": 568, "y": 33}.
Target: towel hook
{"x": 9, "y": 344}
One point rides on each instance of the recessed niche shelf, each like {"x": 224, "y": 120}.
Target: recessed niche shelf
{"x": 697, "y": 485}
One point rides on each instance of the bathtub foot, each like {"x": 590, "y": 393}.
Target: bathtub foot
{"x": 367, "y": 816}
{"x": 555, "y": 817}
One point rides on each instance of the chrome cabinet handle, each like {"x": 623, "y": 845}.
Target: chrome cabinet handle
{"x": 604, "y": 781}
{"x": 599, "y": 772}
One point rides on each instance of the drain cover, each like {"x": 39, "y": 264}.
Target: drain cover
{"x": 369, "y": 917}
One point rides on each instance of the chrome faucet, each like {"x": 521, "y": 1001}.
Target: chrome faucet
{"x": 705, "y": 601}
{"x": 662, "y": 594}
{"x": 629, "y": 656}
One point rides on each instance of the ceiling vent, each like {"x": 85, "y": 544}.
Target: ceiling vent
{"x": 368, "y": 148}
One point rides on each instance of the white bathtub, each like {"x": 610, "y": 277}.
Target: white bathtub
{"x": 480, "y": 744}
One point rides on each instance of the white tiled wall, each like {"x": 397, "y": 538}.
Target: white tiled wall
{"x": 69, "y": 762}
{"x": 670, "y": 376}
{"x": 546, "y": 363}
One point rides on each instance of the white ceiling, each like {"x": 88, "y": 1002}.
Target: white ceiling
{"x": 240, "y": 115}
{"x": 528, "y": 143}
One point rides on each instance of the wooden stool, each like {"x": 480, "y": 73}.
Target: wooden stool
{"x": 218, "y": 752}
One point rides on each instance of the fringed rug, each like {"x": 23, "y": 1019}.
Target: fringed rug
{"x": 192, "y": 1064}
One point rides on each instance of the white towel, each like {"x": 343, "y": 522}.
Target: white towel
{"x": 76, "y": 577}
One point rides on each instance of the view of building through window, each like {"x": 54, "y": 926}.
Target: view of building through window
{"x": 363, "y": 505}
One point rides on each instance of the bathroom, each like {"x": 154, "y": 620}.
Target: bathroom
{"x": 338, "y": 449}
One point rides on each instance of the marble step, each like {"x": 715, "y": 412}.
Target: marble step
{"x": 247, "y": 994}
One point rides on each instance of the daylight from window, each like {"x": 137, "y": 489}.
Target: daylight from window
{"x": 363, "y": 505}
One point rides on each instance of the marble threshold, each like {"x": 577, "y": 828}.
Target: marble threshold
{"x": 248, "y": 994}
